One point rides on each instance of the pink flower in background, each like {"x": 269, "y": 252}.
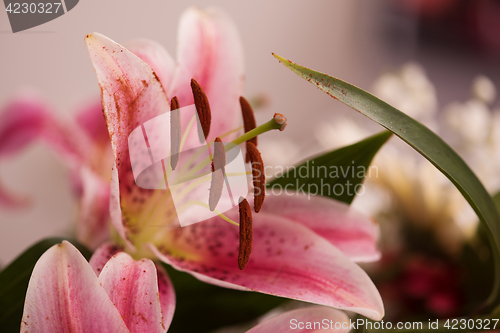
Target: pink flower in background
{"x": 115, "y": 293}
{"x": 302, "y": 249}
{"x": 82, "y": 143}
{"x": 433, "y": 284}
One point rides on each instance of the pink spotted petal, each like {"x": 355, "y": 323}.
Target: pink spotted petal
{"x": 353, "y": 233}
{"x": 306, "y": 320}
{"x": 210, "y": 51}
{"x": 102, "y": 255}
{"x": 167, "y": 296}
{"x": 64, "y": 295}
{"x": 133, "y": 287}
{"x": 155, "y": 56}
{"x": 115, "y": 207}
{"x": 288, "y": 260}
{"x": 93, "y": 226}
{"x": 131, "y": 95}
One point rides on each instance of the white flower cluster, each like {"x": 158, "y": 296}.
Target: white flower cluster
{"x": 408, "y": 188}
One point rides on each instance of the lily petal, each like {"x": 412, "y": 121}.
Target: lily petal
{"x": 24, "y": 120}
{"x": 93, "y": 221}
{"x": 210, "y": 52}
{"x": 167, "y": 296}
{"x": 155, "y": 55}
{"x": 64, "y": 295}
{"x": 353, "y": 233}
{"x": 133, "y": 287}
{"x": 102, "y": 255}
{"x": 306, "y": 320}
{"x": 131, "y": 95}
{"x": 91, "y": 120}
{"x": 95, "y": 138}
{"x": 11, "y": 200}
{"x": 288, "y": 260}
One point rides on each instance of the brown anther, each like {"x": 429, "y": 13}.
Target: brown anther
{"x": 246, "y": 233}
{"x": 259, "y": 177}
{"x": 175, "y": 132}
{"x": 248, "y": 121}
{"x": 202, "y": 108}
{"x": 218, "y": 174}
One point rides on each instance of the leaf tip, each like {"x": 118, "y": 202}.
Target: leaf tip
{"x": 280, "y": 59}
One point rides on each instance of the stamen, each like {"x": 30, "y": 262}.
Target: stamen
{"x": 281, "y": 120}
{"x": 175, "y": 132}
{"x": 246, "y": 233}
{"x": 218, "y": 163}
{"x": 248, "y": 121}
{"x": 266, "y": 127}
{"x": 259, "y": 179}
{"x": 202, "y": 108}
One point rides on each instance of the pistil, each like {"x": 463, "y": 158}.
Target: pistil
{"x": 277, "y": 123}
{"x": 266, "y": 127}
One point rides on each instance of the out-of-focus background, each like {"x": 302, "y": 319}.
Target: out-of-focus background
{"x": 356, "y": 40}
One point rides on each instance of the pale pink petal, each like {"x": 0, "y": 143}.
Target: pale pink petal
{"x": 133, "y": 288}
{"x": 91, "y": 119}
{"x": 102, "y": 255}
{"x": 93, "y": 226}
{"x": 210, "y": 51}
{"x": 64, "y": 295}
{"x": 95, "y": 139}
{"x": 306, "y": 320}
{"x": 11, "y": 200}
{"x": 131, "y": 95}
{"x": 155, "y": 56}
{"x": 353, "y": 233}
{"x": 288, "y": 260}
{"x": 25, "y": 119}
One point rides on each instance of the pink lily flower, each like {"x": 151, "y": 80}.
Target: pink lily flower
{"x": 115, "y": 293}
{"x": 67, "y": 294}
{"x": 302, "y": 249}
{"x": 82, "y": 143}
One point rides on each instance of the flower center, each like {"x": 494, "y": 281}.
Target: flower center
{"x": 190, "y": 171}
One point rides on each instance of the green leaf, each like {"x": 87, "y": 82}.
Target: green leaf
{"x": 336, "y": 174}
{"x": 496, "y": 200}
{"x": 213, "y": 307}
{"x": 14, "y": 282}
{"x": 423, "y": 140}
